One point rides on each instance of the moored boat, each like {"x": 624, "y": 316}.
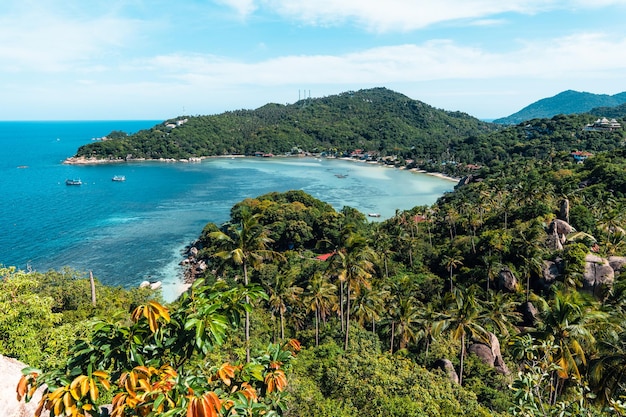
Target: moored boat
{"x": 119, "y": 178}
{"x": 373, "y": 214}
{"x": 73, "y": 182}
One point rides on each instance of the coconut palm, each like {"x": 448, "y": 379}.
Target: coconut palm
{"x": 462, "y": 319}
{"x": 568, "y": 321}
{"x": 452, "y": 262}
{"x": 320, "y": 298}
{"x": 245, "y": 245}
{"x": 283, "y": 293}
{"x": 381, "y": 242}
{"x": 368, "y": 304}
{"x": 354, "y": 266}
{"x": 408, "y": 321}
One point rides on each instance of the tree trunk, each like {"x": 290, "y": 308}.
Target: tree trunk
{"x": 393, "y": 327}
{"x": 462, "y": 358}
{"x": 282, "y": 325}
{"x": 93, "y": 289}
{"x": 341, "y": 304}
{"x": 317, "y": 329}
{"x": 247, "y": 326}
{"x": 347, "y": 316}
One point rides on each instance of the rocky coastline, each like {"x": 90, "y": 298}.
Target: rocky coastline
{"x": 193, "y": 267}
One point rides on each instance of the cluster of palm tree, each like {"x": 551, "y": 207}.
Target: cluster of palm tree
{"x": 432, "y": 276}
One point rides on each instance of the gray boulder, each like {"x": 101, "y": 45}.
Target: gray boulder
{"x": 529, "y": 314}
{"x": 490, "y": 354}
{"x": 549, "y": 273}
{"x": 617, "y": 263}
{"x": 598, "y": 276}
{"x": 507, "y": 280}
{"x": 446, "y": 366}
{"x": 561, "y": 227}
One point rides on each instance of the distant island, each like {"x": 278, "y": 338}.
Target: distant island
{"x": 373, "y": 125}
{"x": 566, "y": 102}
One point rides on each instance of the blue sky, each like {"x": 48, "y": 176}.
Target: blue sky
{"x": 156, "y": 59}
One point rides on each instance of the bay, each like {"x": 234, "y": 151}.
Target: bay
{"x": 127, "y": 232}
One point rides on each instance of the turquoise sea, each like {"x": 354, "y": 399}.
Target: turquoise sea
{"x": 127, "y": 232}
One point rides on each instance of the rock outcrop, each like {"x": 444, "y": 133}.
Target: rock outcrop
{"x": 529, "y": 314}
{"x": 507, "y": 280}
{"x": 193, "y": 267}
{"x": 598, "y": 276}
{"x": 617, "y": 263}
{"x": 11, "y": 371}
{"x": 557, "y": 233}
{"x": 446, "y": 366}
{"x": 490, "y": 354}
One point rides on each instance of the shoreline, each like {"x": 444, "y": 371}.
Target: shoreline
{"x": 96, "y": 161}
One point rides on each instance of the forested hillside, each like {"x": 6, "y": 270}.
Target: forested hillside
{"x": 505, "y": 298}
{"x": 566, "y": 102}
{"x": 375, "y": 120}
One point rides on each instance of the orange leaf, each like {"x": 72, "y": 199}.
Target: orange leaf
{"x": 249, "y": 392}
{"x": 21, "y": 387}
{"x": 295, "y": 345}
{"x": 226, "y": 372}
{"x": 275, "y": 380}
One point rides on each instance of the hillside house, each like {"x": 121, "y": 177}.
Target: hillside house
{"x": 603, "y": 125}
{"x": 580, "y": 156}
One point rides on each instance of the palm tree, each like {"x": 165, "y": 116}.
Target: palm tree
{"x": 452, "y": 262}
{"x": 381, "y": 242}
{"x": 462, "y": 319}
{"x": 282, "y": 294}
{"x": 354, "y": 266}
{"x": 608, "y": 371}
{"x": 408, "y": 321}
{"x": 568, "y": 321}
{"x": 501, "y": 313}
{"x": 426, "y": 320}
{"x": 246, "y": 245}
{"x": 321, "y": 298}
{"x": 368, "y": 304}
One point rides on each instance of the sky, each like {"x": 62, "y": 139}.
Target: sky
{"x": 158, "y": 59}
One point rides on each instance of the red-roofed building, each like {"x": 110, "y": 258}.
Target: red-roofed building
{"x": 324, "y": 256}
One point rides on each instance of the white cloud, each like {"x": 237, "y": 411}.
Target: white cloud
{"x": 40, "y": 41}
{"x": 395, "y": 15}
{"x": 433, "y": 60}
{"x": 243, "y": 7}
{"x": 408, "y": 15}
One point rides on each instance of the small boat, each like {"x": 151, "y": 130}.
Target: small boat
{"x": 119, "y": 178}
{"x": 73, "y": 182}
{"x": 373, "y": 214}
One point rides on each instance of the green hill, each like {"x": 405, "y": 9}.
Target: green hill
{"x": 376, "y": 120}
{"x": 567, "y": 102}
{"x": 615, "y": 112}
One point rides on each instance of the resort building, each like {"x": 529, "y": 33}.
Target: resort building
{"x": 603, "y": 125}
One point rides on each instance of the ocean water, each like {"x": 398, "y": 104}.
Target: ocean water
{"x": 127, "y": 232}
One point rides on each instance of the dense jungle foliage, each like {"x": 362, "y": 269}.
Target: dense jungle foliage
{"x": 505, "y": 298}
{"x": 377, "y": 119}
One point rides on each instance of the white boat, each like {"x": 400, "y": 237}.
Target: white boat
{"x": 373, "y": 214}
{"x": 119, "y": 178}
{"x": 73, "y": 182}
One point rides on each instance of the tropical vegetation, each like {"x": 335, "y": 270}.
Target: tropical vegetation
{"x": 504, "y": 298}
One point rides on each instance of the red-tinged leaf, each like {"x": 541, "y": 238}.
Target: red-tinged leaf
{"x": 226, "y": 372}
{"x": 21, "y": 387}
{"x": 295, "y": 345}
